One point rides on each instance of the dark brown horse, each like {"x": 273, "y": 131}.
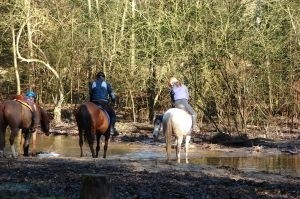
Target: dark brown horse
{"x": 92, "y": 122}
{"x": 18, "y": 116}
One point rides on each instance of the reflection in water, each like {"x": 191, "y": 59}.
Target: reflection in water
{"x": 279, "y": 163}
{"x": 68, "y": 146}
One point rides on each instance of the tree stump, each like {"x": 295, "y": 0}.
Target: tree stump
{"x": 96, "y": 186}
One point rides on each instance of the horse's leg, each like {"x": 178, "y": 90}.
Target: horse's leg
{"x": 2, "y": 143}
{"x": 12, "y": 137}
{"x": 20, "y": 136}
{"x": 2, "y": 139}
{"x": 91, "y": 143}
{"x": 167, "y": 128}
{"x": 34, "y": 143}
{"x": 187, "y": 142}
{"x": 106, "y": 144}
{"x": 27, "y": 136}
{"x": 92, "y": 149}
{"x": 81, "y": 142}
{"x": 98, "y": 135}
{"x": 178, "y": 148}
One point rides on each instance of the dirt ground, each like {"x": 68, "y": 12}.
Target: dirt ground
{"x": 32, "y": 177}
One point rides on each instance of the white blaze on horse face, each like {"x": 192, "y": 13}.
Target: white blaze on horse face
{"x": 157, "y": 128}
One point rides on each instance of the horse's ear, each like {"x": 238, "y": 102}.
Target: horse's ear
{"x": 161, "y": 116}
{"x": 158, "y": 117}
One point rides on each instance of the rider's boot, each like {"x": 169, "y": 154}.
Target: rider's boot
{"x": 113, "y": 131}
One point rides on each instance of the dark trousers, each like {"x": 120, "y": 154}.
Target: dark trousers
{"x": 108, "y": 108}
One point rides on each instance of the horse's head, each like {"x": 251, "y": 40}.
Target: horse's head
{"x": 45, "y": 121}
{"x": 157, "y": 126}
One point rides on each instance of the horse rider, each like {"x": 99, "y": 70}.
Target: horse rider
{"x": 30, "y": 98}
{"x": 100, "y": 91}
{"x": 179, "y": 96}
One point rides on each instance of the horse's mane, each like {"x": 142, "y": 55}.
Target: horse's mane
{"x": 158, "y": 118}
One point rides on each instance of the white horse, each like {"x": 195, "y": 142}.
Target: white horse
{"x": 178, "y": 122}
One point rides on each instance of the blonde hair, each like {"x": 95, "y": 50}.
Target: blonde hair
{"x": 173, "y": 80}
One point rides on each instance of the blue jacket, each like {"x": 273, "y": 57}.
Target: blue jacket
{"x": 101, "y": 90}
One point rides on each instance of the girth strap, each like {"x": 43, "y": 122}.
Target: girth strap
{"x": 25, "y": 104}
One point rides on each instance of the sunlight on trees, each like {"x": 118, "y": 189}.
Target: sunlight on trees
{"x": 239, "y": 58}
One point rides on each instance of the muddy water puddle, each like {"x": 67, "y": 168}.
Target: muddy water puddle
{"x": 242, "y": 158}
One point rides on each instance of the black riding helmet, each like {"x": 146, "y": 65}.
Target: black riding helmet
{"x": 100, "y": 74}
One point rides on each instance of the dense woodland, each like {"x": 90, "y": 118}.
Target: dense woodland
{"x": 240, "y": 59}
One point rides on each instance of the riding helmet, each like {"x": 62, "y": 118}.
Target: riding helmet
{"x": 100, "y": 74}
{"x": 31, "y": 94}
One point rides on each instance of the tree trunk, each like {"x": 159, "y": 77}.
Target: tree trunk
{"x": 151, "y": 90}
{"x": 133, "y": 105}
{"x": 57, "y": 113}
{"x": 15, "y": 60}
{"x": 270, "y": 86}
{"x": 133, "y": 39}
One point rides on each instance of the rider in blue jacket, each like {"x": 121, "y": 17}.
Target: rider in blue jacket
{"x": 101, "y": 92}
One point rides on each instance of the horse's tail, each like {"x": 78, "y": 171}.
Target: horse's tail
{"x": 168, "y": 129}
{"x": 84, "y": 122}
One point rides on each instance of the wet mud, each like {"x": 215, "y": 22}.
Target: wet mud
{"x": 61, "y": 177}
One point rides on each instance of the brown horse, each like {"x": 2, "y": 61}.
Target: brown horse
{"x": 92, "y": 121}
{"x": 18, "y": 116}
